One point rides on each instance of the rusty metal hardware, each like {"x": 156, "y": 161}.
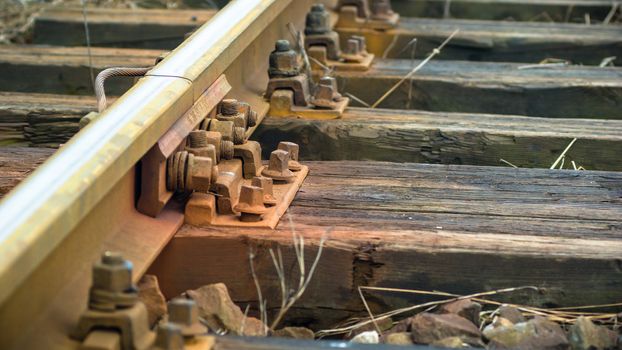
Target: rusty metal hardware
{"x": 323, "y": 44}
{"x": 223, "y": 148}
{"x": 112, "y": 286}
{"x": 153, "y": 188}
{"x": 326, "y": 95}
{"x": 168, "y": 337}
{"x": 187, "y": 172}
{"x": 293, "y": 150}
{"x": 361, "y": 14}
{"x": 278, "y": 166}
{"x": 198, "y": 146}
{"x": 299, "y": 85}
{"x": 250, "y": 153}
{"x": 285, "y": 73}
{"x": 229, "y": 131}
{"x": 319, "y": 33}
{"x": 266, "y": 185}
{"x": 230, "y": 108}
{"x": 184, "y": 313}
{"x": 251, "y": 205}
{"x": 229, "y": 111}
{"x": 251, "y": 116}
{"x": 113, "y": 304}
{"x": 361, "y": 6}
{"x": 227, "y": 186}
{"x": 381, "y": 9}
{"x": 317, "y": 20}
{"x": 284, "y": 62}
{"x": 355, "y": 50}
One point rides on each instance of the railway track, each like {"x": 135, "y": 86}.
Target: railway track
{"x": 412, "y": 194}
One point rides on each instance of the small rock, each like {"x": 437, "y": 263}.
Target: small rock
{"x": 294, "y": 332}
{"x": 465, "y": 308}
{"x": 401, "y": 326}
{"x": 511, "y": 314}
{"x": 149, "y": 293}
{"x": 384, "y": 324}
{"x": 427, "y": 328}
{"x": 220, "y": 312}
{"x": 370, "y": 337}
{"x": 497, "y": 322}
{"x": 537, "y": 333}
{"x": 584, "y": 334}
{"x": 398, "y": 338}
{"x": 451, "y": 342}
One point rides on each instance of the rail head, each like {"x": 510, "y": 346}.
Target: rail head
{"x": 38, "y": 214}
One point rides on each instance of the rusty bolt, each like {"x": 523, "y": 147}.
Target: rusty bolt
{"x": 317, "y": 21}
{"x": 187, "y": 172}
{"x": 112, "y": 273}
{"x": 278, "y": 167}
{"x": 229, "y": 106}
{"x": 223, "y": 148}
{"x": 362, "y": 9}
{"x": 250, "y": 115}
{"x": 168, "y": 337}
{"x": 323, "y": 97}
{"x": 266, "y": 185}
{"x": 381, "y": 9}
{"x": 293, "y": 150}
{"x": 362, "y": 43}
{"x": 353, "y": 47}
{"x": 185, "y": 314}
{"x": 239, "y": 135}
{"x": 252, "y": 118}
{"x": 250, "y": 204}
{"x": 197, "y": 138}
{"x": 112, "y": 286}
{"x": 332, "y": 82}
{"x": 230, "y": 110}
{"x": 228, "y": 130}
{"x": 199, "y": 146}
{"x": 283, "y": 61}
{"x": 201, "y": 173}
{"x": 226, "y": 149}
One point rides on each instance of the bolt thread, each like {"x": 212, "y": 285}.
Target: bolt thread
{"x": 229, "y": 107}
{"x": 198, "y": 139}
{"x": 252, "y": 118}
{"x": 226, "y": 149}
{"x": 238, "y": 135}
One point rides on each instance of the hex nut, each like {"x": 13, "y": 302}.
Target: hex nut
{"x": 200, "y": 174}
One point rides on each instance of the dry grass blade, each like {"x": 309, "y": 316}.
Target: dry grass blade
{"x": 357, "y": 99}
{"x": 508, "y": 163}
{"x": 298, "y": 36}
{"x": 371, "y": 315}
{"x": 607, "y": 61}
{"x": 386, "y": 315}
{"x": 563, "y": 155}
{"x": 434, "y": 52}
{"x": 612, "y": 12}
{"x": 553, "y": 314}
{"x": 262, "y": 304}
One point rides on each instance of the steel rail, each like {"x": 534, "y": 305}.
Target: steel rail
{"x": 39, "y": 213}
